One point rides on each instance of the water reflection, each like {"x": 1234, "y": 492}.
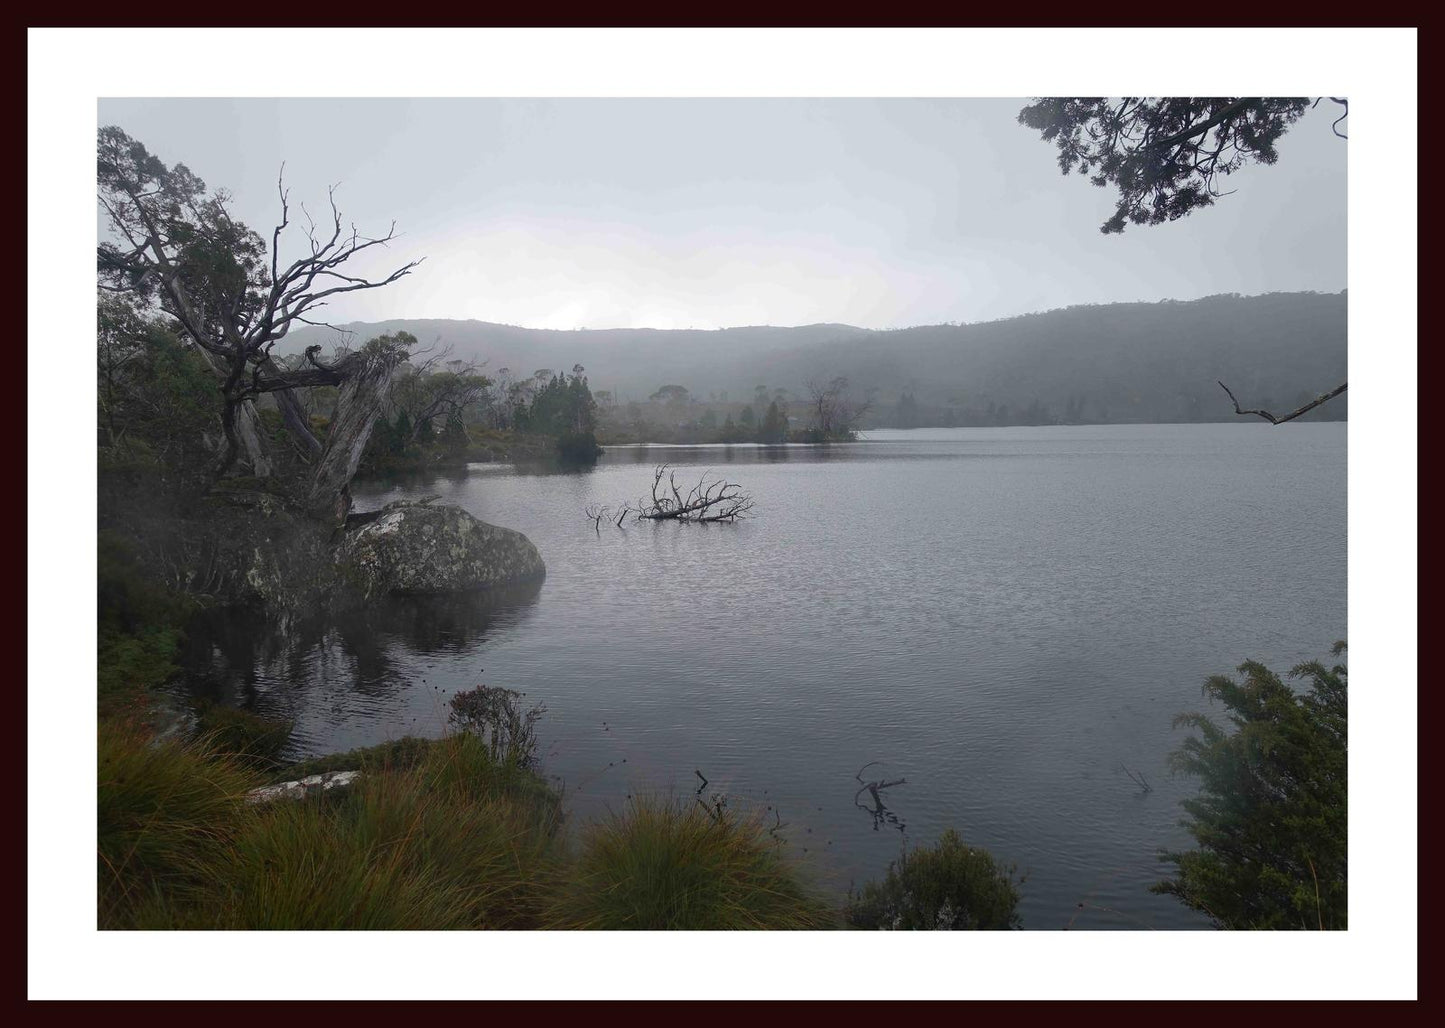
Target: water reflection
{"x": 1041, "y": 618}
{"x": 350, "y": 670}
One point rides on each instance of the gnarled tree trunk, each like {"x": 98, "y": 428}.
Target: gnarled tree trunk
{"x": 248, "y": 435}
{"x": 364, "y": 390}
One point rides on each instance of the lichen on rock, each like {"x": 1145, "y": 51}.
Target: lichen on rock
{"x": 253, "y": 549}
{"x": 421, "y": 549}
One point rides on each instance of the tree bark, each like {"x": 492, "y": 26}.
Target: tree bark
{"x": 364, "y": 391}
{"x": 248, "y": 434}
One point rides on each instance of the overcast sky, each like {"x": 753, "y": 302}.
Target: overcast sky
{"x": 604, "y": 213}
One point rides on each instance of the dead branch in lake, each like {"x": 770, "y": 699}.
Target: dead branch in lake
{"x": 712, "y": 500}
{"x": 1137, "y": 777}
{"x": 878, "y": 811}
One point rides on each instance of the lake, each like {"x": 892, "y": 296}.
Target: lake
{"x": 1004, "y": 618}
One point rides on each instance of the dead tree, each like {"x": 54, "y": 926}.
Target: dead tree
{"x": 835, "y": 415}
{"x": 365, "y": 379}
{"x": 178, "y": 247}
{"x": 708, "y": 501}
{"x": 711, "y": 501}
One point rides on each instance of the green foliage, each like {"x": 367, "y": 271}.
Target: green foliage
{"x": 127, "y": 665}
{"x": 563, "y": 406}
{"x": 1271, "y": 816}
{"x": 454, "y": 437}
{"x": 218, "y": 260}
{"x": 948, "y": 887}
{"x": 578, "y": 448}
{"x": 1140, "y": 145}
{"x": 156, "y": 397}
{"x": 774, "y": 428}
{"x": 138, "y": 633}
{"x": 660, "y": 866}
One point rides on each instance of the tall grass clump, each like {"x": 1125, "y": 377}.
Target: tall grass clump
{"x": 250, "y": 738}
{"x": 457, "y": 841}
{"x": 166, "y": 815}
{"x": 945, "y": 887}
{"x": 659, "y": 865}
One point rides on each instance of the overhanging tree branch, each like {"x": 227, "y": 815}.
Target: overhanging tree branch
{"x": 1292, "y": 414}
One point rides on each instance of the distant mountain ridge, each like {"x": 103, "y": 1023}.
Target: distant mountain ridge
{"x": 1108, "y": 362}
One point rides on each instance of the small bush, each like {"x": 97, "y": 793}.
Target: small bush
{"x": 579, "y": 448}
{"x": 495, "y": 716}
{"x": 948, "y": 887}
{"x": 660, "y": 866}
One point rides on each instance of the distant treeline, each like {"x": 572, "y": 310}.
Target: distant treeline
{"x": 1126, "y": 362}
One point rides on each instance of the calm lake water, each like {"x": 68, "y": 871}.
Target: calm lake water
{"x": 1005, "y": 618}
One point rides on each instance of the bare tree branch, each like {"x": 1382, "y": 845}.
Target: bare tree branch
{"x": 709, "y": 502}
{"x": 1292, "y": 414}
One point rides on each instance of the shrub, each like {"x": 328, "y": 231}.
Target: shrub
{"x": 1272, "y": 810}
{"x": 494, "y": 716}
{"x": 948, "y": 887}
{"x": 578, "y": 448}
{"x": 661, "y": 866}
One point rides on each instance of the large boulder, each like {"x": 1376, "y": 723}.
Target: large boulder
{"x": 421, "y": 549}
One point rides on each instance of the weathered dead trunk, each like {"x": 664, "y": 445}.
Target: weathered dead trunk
{"x": 248, "y": 434}
{"x": 294, "y": 415}
{"x": 364, "y": 392}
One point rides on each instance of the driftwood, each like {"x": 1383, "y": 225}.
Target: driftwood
{"x": 1137, "y": 777}
{"x": 879, "y": 812}
{"x": 1292, "y": 414}
{"x": 313, "y": 785}
{"x": 712, "y": 500}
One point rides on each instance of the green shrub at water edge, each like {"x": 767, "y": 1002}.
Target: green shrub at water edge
{"x": 1272, "y": 812}
{"x": 659, "y": 865}
{"x": 948, "y": 886}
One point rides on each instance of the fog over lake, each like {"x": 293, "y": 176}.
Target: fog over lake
{"x": 1006, "y": 618}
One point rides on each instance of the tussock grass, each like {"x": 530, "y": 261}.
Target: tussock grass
{"x": 249, "y": 738}
{"x": 663, "y": 865}
{"x": 457, "y": 841}
{"x": 454, "y": 840}
{"x": 166, "y": 815}
{"x": 397, "y": 755}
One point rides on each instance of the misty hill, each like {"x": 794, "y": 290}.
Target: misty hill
{"x": 1110, "y": 362}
